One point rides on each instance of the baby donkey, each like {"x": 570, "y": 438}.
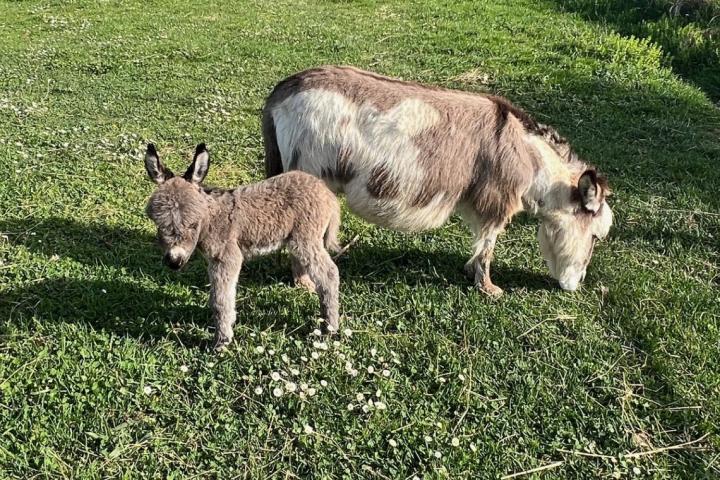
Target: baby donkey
{"x": 295, "y": 210}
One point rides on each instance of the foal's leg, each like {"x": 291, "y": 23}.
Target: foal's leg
{"x": 300, "y": 276}
{"x": 324, "y": 273}
{"x": 478, "y": 267}
{"x": 223, "y": 287}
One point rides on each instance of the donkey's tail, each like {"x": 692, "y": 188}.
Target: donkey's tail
{"x": 273, "y": 161}
{"x": 331, "y": 234}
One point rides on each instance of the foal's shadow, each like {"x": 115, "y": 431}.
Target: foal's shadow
{"x": 147, "y": 301}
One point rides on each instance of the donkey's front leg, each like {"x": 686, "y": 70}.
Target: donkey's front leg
{"x": 478, "y": 267}
{"x": 223, "y": 286}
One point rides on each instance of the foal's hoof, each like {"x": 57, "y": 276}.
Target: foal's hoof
{"x": 490, "y": 290}
{"x": 305, "y": 282}
{"x": 221, "y": 343}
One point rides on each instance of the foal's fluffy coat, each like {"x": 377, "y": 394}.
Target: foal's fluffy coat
{"x": 295, "y": 210}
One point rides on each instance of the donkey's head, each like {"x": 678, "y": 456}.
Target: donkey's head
{"x": 569, "y": 229}
{"x": 178, "y": 206}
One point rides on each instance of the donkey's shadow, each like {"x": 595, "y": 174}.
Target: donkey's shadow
{"x": 149, "y": 302}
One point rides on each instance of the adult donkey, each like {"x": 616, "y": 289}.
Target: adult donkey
{"x": 407, "y": 156}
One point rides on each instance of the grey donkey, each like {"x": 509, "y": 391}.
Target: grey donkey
{"x": 295, "y": 210}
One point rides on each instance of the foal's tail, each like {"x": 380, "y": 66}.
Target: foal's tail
{"x": 273, "y": 160}
{"x": 331, "y": 241}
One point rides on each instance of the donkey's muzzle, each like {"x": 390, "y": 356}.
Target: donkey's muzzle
{"x": 173, "y": 262}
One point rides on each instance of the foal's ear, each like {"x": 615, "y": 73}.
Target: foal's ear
{"x": 592, "y": 193}
{"x": 155, "y": 169}
{"x": 198, "y": 169}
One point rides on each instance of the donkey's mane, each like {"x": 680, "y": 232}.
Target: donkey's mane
{"x": 557, "y": 141}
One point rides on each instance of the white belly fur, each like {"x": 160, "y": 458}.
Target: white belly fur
{"x": 317, "y": 123}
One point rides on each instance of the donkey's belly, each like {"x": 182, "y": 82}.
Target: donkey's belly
{"x": 397, "y": 213}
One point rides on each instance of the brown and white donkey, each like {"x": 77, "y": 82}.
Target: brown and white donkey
{"x": 408, "y": 155}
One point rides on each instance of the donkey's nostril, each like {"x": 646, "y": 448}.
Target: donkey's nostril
{"x": 174, "y": 263}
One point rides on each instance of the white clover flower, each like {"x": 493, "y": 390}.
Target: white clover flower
{"x": 380, "y": 405}
{"x": 323, "y": 383}
{"x": 461, "y": 377}
{"x": 347, "y": 332}
{"x": 371, "y": 369}
{"x": 373, "y": 351}
{"x": 473, "y": 447}
{"x": 341, "y": 356}
{"x": 308, "y": 429}
{"x": 184, "y": 368}
{"x": 290, "y": 387}
{"x": 317, "y": 332}
{"x": 428, "y": 439}
{"x": 386, "y": 373}
{"x": 147, "y": 390}
{"x": 252, "y": 334}
{"x": 392, "y": 443}
{"x": 275, "y": 376}
{"x": 455, "y": 442}
{"x": 348, "y": 365}
{"x": 442, "y": 380}
{"x": 636, "y": 470}
{"x": 271, "y": 352}
{"x": 315, "y": 355}
{"x": 260, "y": 349}
{"x": 302, "y": 395}
{"x": 378, "y": 392}
{"x": 381, "y": 359}
{"x": 350, "y": 407}
{"x": 336, "y": 344}
{"x": 365, "y": 408}
{"x": 303, "y": 386}
{"x": 437, "y": 454}
{"x": 303, "y": 358}
{"x": 277, "y": 391}
{"x": 311, "y": 391}
{"x": 210, "y": 364}
{"x": 353, "y": 372}
{"x": 284, "y": 358}
{"x": 294, "y": 371}
{"x": 360, "y": 397}
{"x": 371, "y": 402}
{"x": 258, "y": 390}
{"x": 322, "y": 346}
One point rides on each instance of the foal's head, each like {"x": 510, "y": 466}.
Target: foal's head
{"x": 178, "y": 206}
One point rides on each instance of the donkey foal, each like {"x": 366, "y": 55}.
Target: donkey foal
{"x": 295, "y": 210}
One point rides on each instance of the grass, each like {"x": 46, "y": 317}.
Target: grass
{"x": 104, "y": 362}
{"x": 687, "y": 30}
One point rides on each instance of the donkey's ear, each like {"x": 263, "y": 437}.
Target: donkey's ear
{"x": 155, "y": 169}
{"x": 199, "y": 167}
{"x": 591, "y": 190}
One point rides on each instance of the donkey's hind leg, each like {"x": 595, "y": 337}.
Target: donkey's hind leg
{"x": 300, "y": 275}
{"x": 323, "y": 272}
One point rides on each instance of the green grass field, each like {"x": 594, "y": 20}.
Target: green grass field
{"x": 105, "y": 369}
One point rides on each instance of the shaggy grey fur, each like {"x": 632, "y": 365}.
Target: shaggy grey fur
{"x": 295, "y": 210}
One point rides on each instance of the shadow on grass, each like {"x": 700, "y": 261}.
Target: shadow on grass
{"x": 141, "y": 307}
{"x": 687, "y": 32}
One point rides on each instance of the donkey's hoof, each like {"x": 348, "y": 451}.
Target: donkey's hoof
{"x": 469, "y": 270}
{"x": 490, "y": 290}
{"x": 305, "y": 282}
